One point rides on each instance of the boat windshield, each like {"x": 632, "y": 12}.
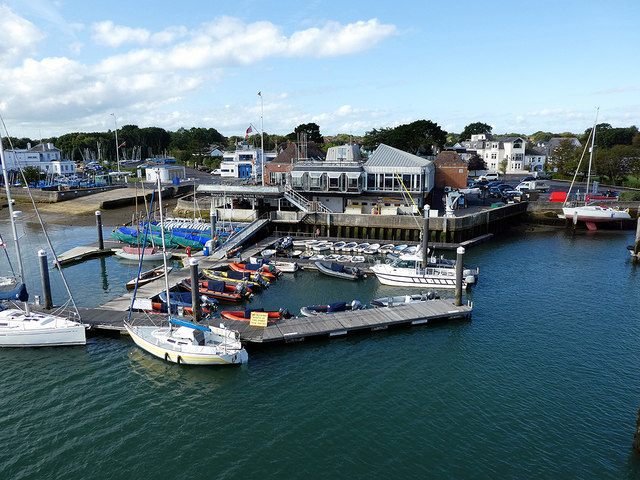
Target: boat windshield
{"x": 403, "y": 263}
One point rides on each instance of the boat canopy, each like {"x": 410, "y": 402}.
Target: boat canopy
{"x": 19, "y": 293}
{"x": 184, "y": 323}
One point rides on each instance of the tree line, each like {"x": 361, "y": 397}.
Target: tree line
{"x": 617, "y": 149}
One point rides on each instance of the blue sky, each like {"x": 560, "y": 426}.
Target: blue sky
{"x": 348, "y": 66}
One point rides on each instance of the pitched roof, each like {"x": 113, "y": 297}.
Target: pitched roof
{"x": 386, "y": 156}
{"x": 290, "y": 154}
{"x": 449, "y": 158}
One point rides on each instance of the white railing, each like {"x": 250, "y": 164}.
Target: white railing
{"x": 302, "y": 203}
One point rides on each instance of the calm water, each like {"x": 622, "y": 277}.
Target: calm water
{"x": 542, "y": 383}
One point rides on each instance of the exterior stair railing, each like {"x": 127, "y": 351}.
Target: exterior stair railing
{"x": 302, "y": 203}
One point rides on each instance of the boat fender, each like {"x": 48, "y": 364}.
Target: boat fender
{"x": 431, "y": 295}
{"x": 179, "y": 360}
{"x": 166, "y": 357}
{"x": 284, "y": 313}
{"x": 233, "y": 359}
{"x": 188, "y": 250}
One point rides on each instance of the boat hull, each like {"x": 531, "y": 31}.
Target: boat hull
{"x": 595, "y": 214}
{"x": 398, "y": 278}
{"x": 142, "y": 337}
{"x": 39, "y": 331}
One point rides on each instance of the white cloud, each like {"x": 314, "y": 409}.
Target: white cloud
{"x": 19, "y": 36}
{"x": 107, "y": 33}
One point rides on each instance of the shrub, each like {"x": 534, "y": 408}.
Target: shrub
{"x": 629, "y": 197}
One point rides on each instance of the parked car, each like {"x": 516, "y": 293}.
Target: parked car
{"x": 542, "y": 175}
{"x": 528, "y": 178}
{"x": 533, "y": 186}
{"x": 216, "y": 171}
{"x": 489, "y": 176}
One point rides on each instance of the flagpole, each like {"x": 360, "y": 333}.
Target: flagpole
{"x": 117, "y": 147}
{"x": 262, "y": 135}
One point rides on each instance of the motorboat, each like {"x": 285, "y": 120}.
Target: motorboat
{"x": 268, "y": 272}
{"x": 251, "y": 280}
{"x": 397, "y": 300}
{"x": 285, "y": 267}
{"x": 339, "y": 271}
{"x": 245, "y": 315}
{"x": 313, "y": 310}
{"x": 220, "y": 290}
{"x": 407, "y": 271}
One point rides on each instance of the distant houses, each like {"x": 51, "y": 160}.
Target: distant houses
{"x": 43, "y": 156}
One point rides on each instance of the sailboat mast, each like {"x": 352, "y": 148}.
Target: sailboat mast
{"x": 164, "y": 245}
{"x": 593, "y": 139}
{"x": 13, "y": 221}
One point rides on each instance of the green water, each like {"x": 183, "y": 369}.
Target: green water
{"x": 541, "y": 383}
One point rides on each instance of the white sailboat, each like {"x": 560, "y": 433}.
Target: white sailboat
{"x": 186, "y": 342}
{"x": 589, "y": 213}
{"x": 20, "y": 327}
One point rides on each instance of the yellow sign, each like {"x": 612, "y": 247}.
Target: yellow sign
{"x": 259, "y": 319}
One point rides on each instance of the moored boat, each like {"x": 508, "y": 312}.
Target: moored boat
{"x": 148, "y": 254}
{"x": 339, "y": 271}
{"x": 268, "y": 272}
{"x": 397, "y": 300}
{"x": 147, "y": 277}
{"x": 313, "y": 310}
{"x": 245, "y": 315}
{"x": 251, "y": 280}
{"x": 220, "y": 290}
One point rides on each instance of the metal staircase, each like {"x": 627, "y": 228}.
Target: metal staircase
{"x": 239, "y": 238}
{"x": 302, "y": 203}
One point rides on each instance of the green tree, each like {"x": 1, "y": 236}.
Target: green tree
{"x": 540, "y": 136}
{"x": 32, "y": 174}
{"x": 419, "y": 137}
{"x": 474, "y": 129}
{"x": 503, "y": 166}
{"x": 476, "y": 162}
{"x": 311, "y": 129}
{"x": 565, "y": 157}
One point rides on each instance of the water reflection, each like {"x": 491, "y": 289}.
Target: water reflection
{"x": 204, "y": 379}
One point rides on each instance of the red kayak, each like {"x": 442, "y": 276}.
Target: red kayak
{"x": 268, "y": 272}
{"x": 245, "y": 315}
{"x": 221, "y": 291}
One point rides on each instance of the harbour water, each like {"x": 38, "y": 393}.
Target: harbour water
{"x": 541, "y": 383}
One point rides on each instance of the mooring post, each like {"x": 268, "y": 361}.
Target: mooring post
{"x": 213, "y": 220}
{"x": 99, "y": 225}
{"x": 425, "y": 237}
{"x": 44, "y": 274}
{"x": 459, "y": 267}
{"x": 195, "y": 290}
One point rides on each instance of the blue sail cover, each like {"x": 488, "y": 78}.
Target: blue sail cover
{"x": 19, "y": 293}
{"x": 184, "y": 323}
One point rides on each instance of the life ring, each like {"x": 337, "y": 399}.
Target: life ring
{"x": 179, "y": 360}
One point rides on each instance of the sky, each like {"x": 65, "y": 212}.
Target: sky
{"x": 349, "y": 66}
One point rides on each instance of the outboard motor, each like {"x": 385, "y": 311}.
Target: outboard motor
{"x": 284, "y": 313}
{"x": 431, "y": 295}
{"x": 356, "y": 305}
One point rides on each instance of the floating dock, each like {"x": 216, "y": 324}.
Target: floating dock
{"x": 298, "y": 329}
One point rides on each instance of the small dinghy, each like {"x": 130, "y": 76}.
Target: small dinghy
{"x": 313, "y": 310}
{"x": 340, "y": 271}
{"x": 148, "y": 254}
{"x": 147, "y": 277}
{"x": 357, "y": 259}
{"x": 336, "y": 247}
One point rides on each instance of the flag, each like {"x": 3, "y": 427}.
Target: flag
{"x": 123, "y": 144}
{"x": 249, "y": 130}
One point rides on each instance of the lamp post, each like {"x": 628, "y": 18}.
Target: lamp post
{"x": 117, "y": 147}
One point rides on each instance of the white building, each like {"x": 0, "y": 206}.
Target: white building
{"x": 44, "y": 156}
{"x": 244, "y": 162}
{"x": 168, "y": 173}
{"x": 495, "y": 150}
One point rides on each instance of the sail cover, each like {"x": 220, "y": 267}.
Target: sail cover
{"x": 19, "y": 293}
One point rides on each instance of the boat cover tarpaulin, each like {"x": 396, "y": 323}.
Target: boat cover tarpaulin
{"x": 19, "y": 293}
{"x": 184, "y": 323}
{"x": 558, "y": 196}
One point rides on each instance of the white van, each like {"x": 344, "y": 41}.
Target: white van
{"x": 533, "y": 186}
